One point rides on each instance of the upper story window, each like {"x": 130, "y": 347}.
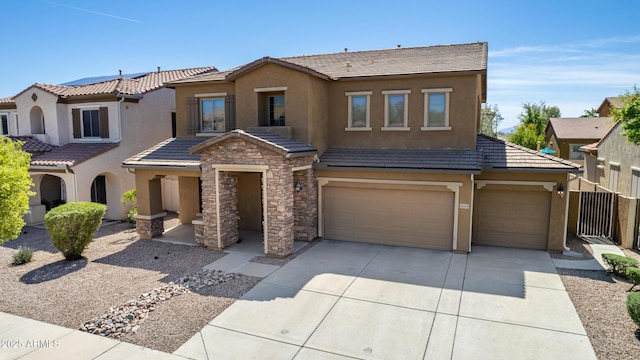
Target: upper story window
{"x": 90, "y": 122}
{"x": 396, "y": 109}
{"x": 212, "y": 115}
{"x": 575, "y": 153}
{"x": 358, "y": 111}
{"x": 5, "y": 124}
{"x": 436, "y": 109}
{"x": 271, "y": 106}
{"x": 276, "y": 110}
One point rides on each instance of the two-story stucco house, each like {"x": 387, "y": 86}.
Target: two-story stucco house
{"x": 372, "y": 146}
{"x": 79, "y": 134}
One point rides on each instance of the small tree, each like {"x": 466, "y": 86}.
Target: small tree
{"x": 629, "y": 114}
{"x": 590, "y": 113}
{"x": 71, "y": 226}
{"x": 533, "y": 120}
{"x": 527, "y": 136}
{"x": 15, "y": 188}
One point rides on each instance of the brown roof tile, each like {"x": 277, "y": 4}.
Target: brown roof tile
{"x": 581, "y": 128}
{"x": 7, "y": 100}
{"x": 271, "y": 141}
{"x": 402, "y": 159}
{"x": 503, "y": 156}
{"x": 169, "y": 153}
{"x": 139, "y": 85}
{"x": 32, "y": 144}
{"x": 71, "y": 154}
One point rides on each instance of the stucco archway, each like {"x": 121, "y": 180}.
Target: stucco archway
{"x": 36, "y": 119}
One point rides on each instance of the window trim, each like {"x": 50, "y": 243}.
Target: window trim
{"x": 212, "y": 131}
{"x": 82, "y": 110}
{"x": 2, "y": 126}
{"x": 427, "y": 92}
{"x": 350, "y": 95}
{"x": 386, "y": 126}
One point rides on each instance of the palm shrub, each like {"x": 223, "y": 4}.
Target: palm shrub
{"x": 71, "y": 226}
{"x": 633, "y": 306}
{"x": 618, "y": 264}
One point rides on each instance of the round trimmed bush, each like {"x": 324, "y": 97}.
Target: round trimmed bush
{"x": 71, "y": 226}
{"x": 633, "y": 306}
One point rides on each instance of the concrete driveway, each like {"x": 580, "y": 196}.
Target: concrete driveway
{"x": 342, "y": 300}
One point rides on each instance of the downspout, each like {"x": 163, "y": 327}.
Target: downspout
{"x": 566, "y": 214}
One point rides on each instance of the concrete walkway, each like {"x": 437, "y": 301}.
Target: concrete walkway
{"x": 593, "y": 264}
{"x": 342, "y": 300}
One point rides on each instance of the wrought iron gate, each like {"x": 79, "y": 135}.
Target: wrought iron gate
{"x": 596, "y": 212}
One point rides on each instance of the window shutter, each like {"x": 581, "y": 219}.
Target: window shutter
{"x": 104, "y": 122}
{"x": 192, "y": 115}
{"x": 230, "y": 112}
{"x": 77, "y": 129}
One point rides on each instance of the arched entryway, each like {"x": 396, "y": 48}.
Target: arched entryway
{"x": 36, "y": 118}
{"x": 52, "y": 191}
{"x": 99, "y": 190}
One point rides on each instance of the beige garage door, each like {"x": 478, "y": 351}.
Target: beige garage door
{"x": 512, "y": 218}
{"x": 389, "y": 216}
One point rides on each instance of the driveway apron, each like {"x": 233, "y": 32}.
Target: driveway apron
{"x": 343, "y": 300}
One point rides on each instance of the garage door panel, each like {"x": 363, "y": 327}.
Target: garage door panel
{"x": 389, "y": 216}
{"x": 513, "y": 218}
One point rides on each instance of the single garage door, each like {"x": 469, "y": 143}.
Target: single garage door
{"x": 415, "y": 218}
{"x": 512, "y": 218}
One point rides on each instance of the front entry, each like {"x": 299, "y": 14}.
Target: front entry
{"x": 249, "y": 194}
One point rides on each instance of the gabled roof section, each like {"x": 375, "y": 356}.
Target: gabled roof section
{"x": 136, "y": 86}
{"x": 71, "y": 154}
{"x": 171, "y": 153}
{"x": 32, "y": 145}
{"x": 269, "y": 60}
{"x": 503, "y": 156}
{"x": 581, "y": 128}
{"x": 608, "y": 102}
{"x": 276, "y": 143}
{"x": 465, "y": 161}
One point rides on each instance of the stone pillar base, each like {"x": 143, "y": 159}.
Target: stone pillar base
{"x": 150, "y": 226}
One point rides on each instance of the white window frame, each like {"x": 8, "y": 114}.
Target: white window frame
{"x": 350, "y": 96}
{"x": 6, "y": 114}
{"x": 614, "y": 174}
{"x": 386, "y": 126}
{"x": 200, "y": 100}
{"x": 427, "y": 92}
{"x": 82, "y": 110}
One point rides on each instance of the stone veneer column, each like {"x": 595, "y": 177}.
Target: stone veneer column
{"x": 228, "y": 201}
{"x": 305, "y": 206}
{"x": 228, "y": 208}
{"x": 279, "y": 210}
{"x": 150, "y": 226}
{"x": 209, "y": 234}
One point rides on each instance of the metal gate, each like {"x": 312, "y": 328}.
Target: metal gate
{"x": 596, "y": 214}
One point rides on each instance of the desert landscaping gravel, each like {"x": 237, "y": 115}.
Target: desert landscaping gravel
{"x": 116, "y": 268}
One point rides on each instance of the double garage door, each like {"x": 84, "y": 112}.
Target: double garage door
{"x": 399, "y": 216}
{"x": 512, "y": 218}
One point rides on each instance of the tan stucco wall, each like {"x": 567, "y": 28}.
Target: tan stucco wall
{"x": 462, "y": 114}
{"x": 465, "y": 193}
{"x": 318, "y": 100}
{"x": 150, "y": 203}
{"x": 182, "y": 93}
{"x": 558, "y": 205}
{"x": 615, "y": 148}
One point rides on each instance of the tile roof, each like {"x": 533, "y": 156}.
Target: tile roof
{"x": 581, "y": 128}
{"x": 7, "y": 100}
{"x": 169, "y": 153}
{"x": 590, "y": 147}
{"x": 402, "y": 159}
{"x": 32, "y": 144}
{"x": 71, "y": 154}
{"x": 503, "y": 156}
{"x": 212, "y": 76}
{"x": 398, "y": 61}
{"x": 141, "y": 85}
{"x": 267, "y": 140}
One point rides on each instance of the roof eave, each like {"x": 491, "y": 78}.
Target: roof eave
{"x": 535, "y": 170}
{"x": 323, "y": 166}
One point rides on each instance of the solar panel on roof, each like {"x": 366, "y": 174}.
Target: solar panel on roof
{"x": 97, "y": 79}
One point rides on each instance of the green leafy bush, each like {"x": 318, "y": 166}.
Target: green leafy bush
{"x": 130, "y": 197}
{"x": 633, "y": 306}
{"x": 633, "y": 273}
{"x": 71, "y": 226}
{"x": 23, "y": 255}
{"x": 618, "y": 264}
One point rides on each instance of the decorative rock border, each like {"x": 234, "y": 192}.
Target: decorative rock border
{"x": 126, "y": 318}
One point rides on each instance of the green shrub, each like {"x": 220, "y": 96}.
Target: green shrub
{"x": 130, "y": 197}
{"x": 618, "y": 264}
{"x": 23, "y": 255}
{"x": 71, "y": 226}
{"x": 633, "y": 273}
{"x": 633, "y": 306}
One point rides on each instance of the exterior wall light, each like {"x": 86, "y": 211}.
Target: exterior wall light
{"x": 560, "y": 190}
{"x": 298, "y": 186}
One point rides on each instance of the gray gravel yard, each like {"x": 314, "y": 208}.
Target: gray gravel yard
{"x": 116, "y": 268}
{"x": 600, "y": 300}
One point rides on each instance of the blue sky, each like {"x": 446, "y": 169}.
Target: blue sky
{"x": 571, "y": 54}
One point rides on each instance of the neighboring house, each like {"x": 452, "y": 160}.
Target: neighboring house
{"x": 567, "y": 135}
{"x": 374, "y": 146}
{"x": 604, "y": 109}
{"x": 79, "y": 134}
